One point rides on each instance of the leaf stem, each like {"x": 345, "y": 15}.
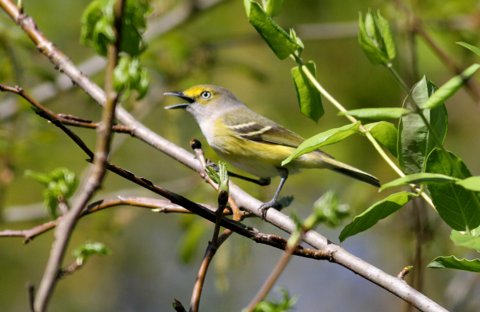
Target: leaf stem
{"x": 369, "y": 136}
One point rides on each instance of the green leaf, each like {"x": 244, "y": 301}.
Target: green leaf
{"x": 416, "y": 139}
{"x": 273, "y": 7}
{"x": 471, "y": 183}
{"x": 375, "y": 38}
{"x": 89, "y": 249}
{"x": 328, "y": 210}
{"x": 129, "y": 75}
{"x": 379, "y": 113}
{"x": 375, "y": 213}
{"x": 472, "y": 48}
{"x": 465, "y": 239}
{"x": 452, "y": 262}
{"x": 60, "y": 184}
{"x": 325, "y": 138}
{"x": 450, "y": 87}
{"x": 285, "y": 304}
{"x": 417, "y": 178}
{"x": 223, "y": 176}
{"x": 308, "y": 96}
{"x": 97, "y": 26}
{"x": 277, "y": 39}
{"x": 458, "y": 207}
{"x": 385, "y": 133}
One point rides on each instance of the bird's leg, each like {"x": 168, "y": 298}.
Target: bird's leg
{"x": 260, "y": 181}
{"x": 265, "y": 206}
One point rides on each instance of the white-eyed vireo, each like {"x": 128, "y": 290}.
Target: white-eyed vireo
{"x": 252, "y": 142}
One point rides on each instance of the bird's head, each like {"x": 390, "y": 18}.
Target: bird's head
{"x": 204, "y": 100}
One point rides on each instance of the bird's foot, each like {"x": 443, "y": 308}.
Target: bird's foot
{"x": 276, "y": 204}
{"x": 265, "y": 206}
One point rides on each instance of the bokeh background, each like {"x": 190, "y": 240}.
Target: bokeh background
{"x": 154, "y": 258}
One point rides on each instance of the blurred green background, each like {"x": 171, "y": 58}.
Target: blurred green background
{"x": 154, "y": 258}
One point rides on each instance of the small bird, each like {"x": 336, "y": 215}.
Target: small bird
{"x": 251, "y": 141}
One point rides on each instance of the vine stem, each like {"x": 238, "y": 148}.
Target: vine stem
{"x": 369, "y": 136}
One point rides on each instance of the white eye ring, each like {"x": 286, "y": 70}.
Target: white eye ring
{"x": 206, "y": 94}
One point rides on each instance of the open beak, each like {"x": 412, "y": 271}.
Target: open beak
{"x": 182, "y": 96}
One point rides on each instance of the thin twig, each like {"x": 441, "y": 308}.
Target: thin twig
{"x": 282, "y": 263}
{"x": 156, "y": 205}
{"x": 202, "y": 271}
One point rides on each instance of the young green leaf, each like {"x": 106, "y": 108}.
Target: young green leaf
{"x": 418, "y": 178}
{"x": 375, "y": 38}
{"x": 328, "y": 210}
{"x": 277, "y": 39}
{"x": 385, "y": 133}
{"x": 458, "y": 207}
{"x": 129, "y": 75}
{"x": 285, "y": 304}
{"x": 84, "y": 252}
{"x": 471, "y": 183}
{"x": 465, "y": 239}
{"x": 379, "y": 113}
{"x": 472, "y": 48}
{"x": 60, "y": 184}
{"x": 375, "y": 213}
{"x": 325, "y": 138}
{"x": 97, "y": 26}
{"x": 416, "y": 139}
{"x": 452, "y": 262}
{"x": 449, "y": 88}
{"x": 308, "y": 96}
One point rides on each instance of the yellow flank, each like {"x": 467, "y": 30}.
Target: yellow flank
{"x": 258, "y": 158}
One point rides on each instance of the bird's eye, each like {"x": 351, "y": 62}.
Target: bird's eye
{"x": 206, "y": 94}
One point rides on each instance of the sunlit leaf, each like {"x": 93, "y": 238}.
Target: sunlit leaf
{"x": 379, "y": 113}
{"x": 60, "y": 184}
{"x": 450, "y": 87}
{"x": 452, "y": 262}
{"x": 465, "y": 239}
{"x": 471, "y": 183}
{"x": 97, "y": 26}
{"x": 324, "y": 138}
{"x": 418, "y": 178}
{"x": 308, "y": 96}
{"x": 375, "y": 38}
{"x": 277, "y": 39}
{"x": 87, "y": 250}
{"x": 385, "y": 133}
{"x": 328, "y": 210}
{"x": 375, "y": 213}
{"x": 129, "y": 75}
{"x": 472, "y": 48}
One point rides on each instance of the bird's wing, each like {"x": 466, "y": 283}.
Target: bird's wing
{"x": 257, "y": 128}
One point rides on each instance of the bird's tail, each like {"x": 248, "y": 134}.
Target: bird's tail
{"x": 350, "y": 171}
